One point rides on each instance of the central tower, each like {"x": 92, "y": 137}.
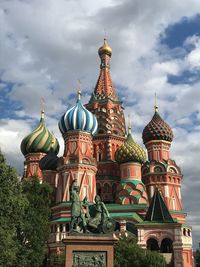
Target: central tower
{"x": 104, "y": 103}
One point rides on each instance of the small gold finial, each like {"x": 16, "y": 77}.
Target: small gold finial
{"x": 156, "y": 106}
{"x": 79, "y": 90}
{"x": 129, "y": 124}
{"x": 42, "y": 103}
{"x": 105, "y": 34}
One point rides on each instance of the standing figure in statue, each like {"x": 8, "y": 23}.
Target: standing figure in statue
{"x": 78, "y": 221}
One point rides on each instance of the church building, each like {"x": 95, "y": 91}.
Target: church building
{"x": 141, "y": 188}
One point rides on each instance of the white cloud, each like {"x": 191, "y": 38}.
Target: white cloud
{"x": 47, "y": 45}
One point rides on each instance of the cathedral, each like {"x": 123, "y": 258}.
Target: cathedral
{"x": 141, "y": 188}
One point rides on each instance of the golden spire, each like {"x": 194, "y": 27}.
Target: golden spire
{"x": 79, "y": 90}
{"x": 129, "y": 124}
{"x": 156, "y": 106}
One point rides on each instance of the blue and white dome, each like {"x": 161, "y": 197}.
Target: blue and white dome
{"x": 78, "y": 118}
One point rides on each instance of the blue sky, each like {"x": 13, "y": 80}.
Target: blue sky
{"x": 156, "y": 48}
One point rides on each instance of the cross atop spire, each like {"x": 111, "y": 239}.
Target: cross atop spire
{"x": 42, "y": 104}
{"x": 79, "y": 90}
{"x": 155, "y": 106}
{"x": 129, "y": 124}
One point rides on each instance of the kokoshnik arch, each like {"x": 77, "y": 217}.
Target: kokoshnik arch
{"x": 143, "y": 194}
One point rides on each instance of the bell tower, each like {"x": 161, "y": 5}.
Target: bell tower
{"x": 160, "y": 170}
{"x": 104, "y": 103}
{"x": 77, "y": 126}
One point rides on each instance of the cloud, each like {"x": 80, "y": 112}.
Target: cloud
{"x": 46, "y": 46}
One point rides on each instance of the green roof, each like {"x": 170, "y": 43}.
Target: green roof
{"x": 126, "y": 207}
{"x": 127, "y": 215}
{"x": 61, "y": 220}
{"x": 158, "y": 211}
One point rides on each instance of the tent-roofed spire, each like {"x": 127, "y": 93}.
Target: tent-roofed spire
{"x": 104, "y": 88}
{"x": 158, "y": 211}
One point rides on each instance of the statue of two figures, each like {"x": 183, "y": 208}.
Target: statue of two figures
{"x": 87, "y": 217}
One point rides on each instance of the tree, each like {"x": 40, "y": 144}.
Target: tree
{"x": 34, "y": 230}
{"x": 197, "y": 258}
{"x": 57, "y": 260}
{"x": 12, "y": 206}
{"x": 128, "y": 254}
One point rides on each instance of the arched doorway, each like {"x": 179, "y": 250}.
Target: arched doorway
{"x": 152, "y": 244}
{"x": 166, "y": 246}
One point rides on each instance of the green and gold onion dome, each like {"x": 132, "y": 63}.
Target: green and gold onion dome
{"x": 130, "y": 151}
{"x": 40, "y": 140}
{"x": 157, "y": 129}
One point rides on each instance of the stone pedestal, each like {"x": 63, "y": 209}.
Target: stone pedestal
{"x": 87, "y": 250}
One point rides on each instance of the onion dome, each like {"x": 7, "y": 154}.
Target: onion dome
{"x": 78, "y": 118}
{"x": 105, "y": 49}
{"x": 157, "y": 129}
{"x": 40, "y": 140}
{"x": 49, "y": 161}
{"x": 130, "y": 151}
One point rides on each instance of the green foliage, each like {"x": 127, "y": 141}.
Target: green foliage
{"x": 128, "y": 254}
{"x": 197, "y": 258}
{"x": 34, "y": 230}
{"x": 12, "y": 206}
{"x": 24, "y": 212}
{"x": 57, "y": 260}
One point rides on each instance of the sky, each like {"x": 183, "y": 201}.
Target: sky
{"x": 47, "y": 45}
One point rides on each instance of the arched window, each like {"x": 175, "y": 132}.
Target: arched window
{"x": 99, "y": 189}
{"x": 184, "y": 231}
{"x": 73, "y": 146}
{"x": 166, "y": 246}
{"x": 174, "y": 203}
{"x": 106, "y": 188}
{"x": 114, "y": 189}
{"x": 189, "y": 232}
{"x": 152, "y": 244}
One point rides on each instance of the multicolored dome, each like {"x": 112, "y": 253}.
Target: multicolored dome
{"x": 130, "y": 151}
{"x": 78, "y": 118}
{"x": 157, "y": 129}
{"x": 105, "y": 49}
{"x": 40, "y": 140}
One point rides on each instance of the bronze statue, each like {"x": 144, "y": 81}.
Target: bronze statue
{"x": 87, "y": 217}
{"x": 78, "y": 221}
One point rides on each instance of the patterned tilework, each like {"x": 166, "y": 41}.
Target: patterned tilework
{"x": 157, "y": 129}
{"x": 130, "y": 151}
{"x": 131, "y": 192}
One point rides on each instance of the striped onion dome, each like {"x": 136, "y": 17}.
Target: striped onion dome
{"x": 78, "y": 118}
{"x": 130, "y": 151}
{"x": 40, "y": 140}
{"x": 157, "y": 129}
